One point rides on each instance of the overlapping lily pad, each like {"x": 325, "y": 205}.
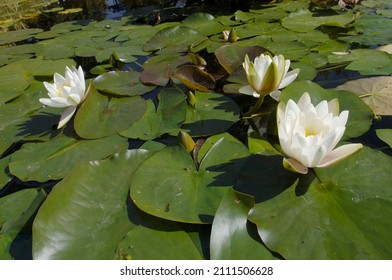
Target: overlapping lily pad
{"x": 212, "y": 113}
{"x": 167, "y": 118}
{"x": 180, "y": 191}
{"x": 374, "y": 91}
{"x": 97, "y": 192}
{"x": 328, "y": 216}
{"x": 53, "y": 160}
{"x": 123, "y": 83}
{"x": 237, "y": 239}
{"x": 103, "y": 115}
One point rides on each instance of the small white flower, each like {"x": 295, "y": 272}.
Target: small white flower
{"x": 266, "y": 75}
{"x": 66, "y": 92}
{"x": 309, "y": 134}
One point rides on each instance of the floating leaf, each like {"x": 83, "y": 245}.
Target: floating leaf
{"x": 203, "y": 23}
{"x": 174, "y": 39}
{"x": 15, "y": 211}
{"x": 195, "y": 78}
{"x": 375, "y": 92}
{"x": 328, "y": 216}
{"x": 17, "y": 35}
{"x": 101, "y": 115}
{"x": 232, "y": 56}
{"x": 162, "y": 235}
{"x": 212, "y": 113}
{"x": 178, "y": 190}
{"x": 123, "y": 83}
{"x": 385, "y": 135}
{"x": 54, "y": 159}
{"x": 97, "y": 191}
{"x": 159, "y": 69}
{"x": 167, "y": 118}
{"x": 236, "y": 239}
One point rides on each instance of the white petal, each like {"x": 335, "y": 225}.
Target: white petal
{"x": 289, "y": 78}
{"x": 304, "y": 101}
{"x": 58, "y": 79}
{"x": 248, "y": 90}
{"x": 51, "y": 102}
{"x": 293, "y": 165}
{"x": 339, "y": 154}
{"x": 66, "y": 116}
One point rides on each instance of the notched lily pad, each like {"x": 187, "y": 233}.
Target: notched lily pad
{"x": 212, "y": 113}
{"x": 123, "y": 83}
{"x": 103, "y": 115}
{"x": 375, "y": 92}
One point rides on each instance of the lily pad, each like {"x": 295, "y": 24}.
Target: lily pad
{"x": 53, "y": 160}
{"x": 15, "y": 211}
{"x": 164, "y": 236}
{"x": 374, "y": 91}
{"x": 159, "y": 69}
{"x": 232, "y": 56}
{"x": 212, "y": 113}
{"x": 97, "y": 191}
{"x": 385, "y": 135}
{"x": 304, "y": 21}
{"x": 328, "y": 216}
{"x": 175, "y": 39}
{"x": 195, "y": 78}
{"x": 102, "y": 115}
{"x": 167, "y": 118}
{"x": 236, "y": 239}
{"x": 17, "y": 35}
{"x": 180, "y": 191}
{"x": 203, "y": 23}
{"x": 123, "y": 83}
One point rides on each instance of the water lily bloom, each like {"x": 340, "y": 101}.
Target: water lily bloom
{"x": 267, "y": 75}
{"x": 308, "y": 134}
{"x": 66, "y": 92}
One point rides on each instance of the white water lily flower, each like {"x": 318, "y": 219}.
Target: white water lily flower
{"x": 308, "y": 134}
{"x": 267, "y": 75}
{"x": 66, "y": 92}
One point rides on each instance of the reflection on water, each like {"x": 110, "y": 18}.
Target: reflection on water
{"x": 21, "y": 14}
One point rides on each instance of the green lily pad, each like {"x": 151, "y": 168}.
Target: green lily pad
{"x": 17, "y": 35}
{"x": 212, "y": 113}
{"x": 29, "y": 120}
{"x": 15, "y": 211}
{"x": 167, "y": 118}
{"x": 178, "y": 191}
{"x": 5, "y": 177}
{"x": 101, "y": 115}
{"x": 236, "y": 239}
{"x": 162, "y": 235}
{"x": 53, "y": 160}
{"x": 375, "y": 92}
{"x": 174, "y": 39}
{"x": 97, "y": 191}
{"x": 328, "y": 217}
{"x": 303, "y": 20}
{"x": 365, "y": 61}
{"x": 203, "y": 23}
{"x": 123, "y": 83}
{"x": 360, "y": 116}
{"x": 385, "y": 135}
